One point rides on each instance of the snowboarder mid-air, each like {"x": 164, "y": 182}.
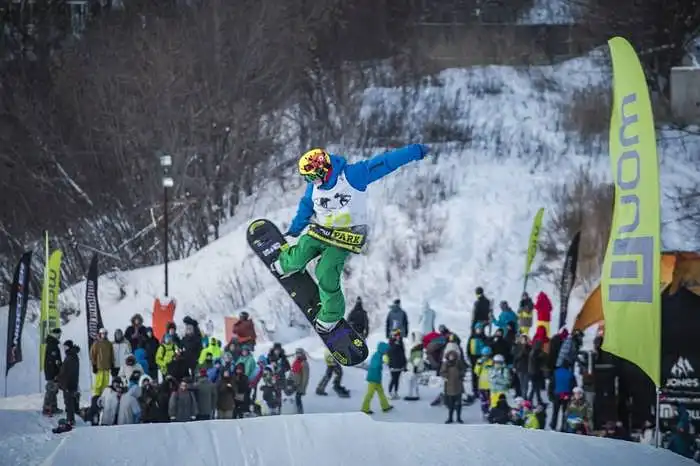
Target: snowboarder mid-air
{"x": 334, "y": 207}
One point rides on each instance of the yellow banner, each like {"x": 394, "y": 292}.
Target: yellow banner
{"x": 49, "y": 318}
{"x": 534, "y": 239}
{"x": 632, "y": 269}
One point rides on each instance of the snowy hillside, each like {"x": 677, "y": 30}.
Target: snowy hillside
{"x": 306, "y": 439}
{"x": 439, "y": 228}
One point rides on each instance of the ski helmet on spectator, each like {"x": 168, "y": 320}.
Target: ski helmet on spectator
{"x": 315, "y": 165}
{"x": 499, "y": 359}
{"x": 486, "y": 351}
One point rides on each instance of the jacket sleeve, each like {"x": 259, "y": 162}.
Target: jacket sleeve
{"x": 93, "y": 354}
{"x": 195, "y": 406}
{"x": 387, "y": 324}
{"x": 172, "y": 406}
{"x": 304, "y": 213}
{"x": 160, "y": 353}
{"x": 366, "y": 172}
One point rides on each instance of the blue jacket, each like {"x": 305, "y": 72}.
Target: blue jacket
{"x": 140, "y": 355}
{"x": 213, "y": 374}
{"x": 564, "y": 381}
{"x": 359, "y": 175}
{"x": 504, "y": 317}
{"x": 376, "y": 363}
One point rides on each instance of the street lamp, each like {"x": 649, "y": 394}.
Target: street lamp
{"x": 166, "y": 162}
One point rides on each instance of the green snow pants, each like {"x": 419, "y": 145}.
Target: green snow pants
{"x": 328, "y": 272}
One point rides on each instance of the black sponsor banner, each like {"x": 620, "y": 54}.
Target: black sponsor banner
{"x": 19, "y": 295}
{"x": 92, "y": 304}
{"x": 568, "y": 278}
{"x": 680, "y": 355}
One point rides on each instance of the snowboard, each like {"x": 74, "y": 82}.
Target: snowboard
{"x": 345, "y": 344}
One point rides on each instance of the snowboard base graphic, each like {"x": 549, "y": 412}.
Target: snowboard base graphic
{"x": 345, "y": 344}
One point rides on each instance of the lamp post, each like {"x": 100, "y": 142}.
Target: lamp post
{"x": 166, "y": 162}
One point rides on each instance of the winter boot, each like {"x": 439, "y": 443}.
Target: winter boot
{"x": 342, "y": 392}
{"x": 388, "y": 409}
{"x": 276, "y": 268}
{"x": 437, "y": 401}
{"x": 320, "y": 392}
{"x": 369, "y": 412}
{"x": 395, "y": 396}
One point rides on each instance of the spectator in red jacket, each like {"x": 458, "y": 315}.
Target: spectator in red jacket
{"x": 244, "y": 329}
{"x": 543, "y": 309}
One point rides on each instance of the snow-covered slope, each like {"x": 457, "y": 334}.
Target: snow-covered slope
{"x": 439, "y": 228}
{"x": 343, "y": 439}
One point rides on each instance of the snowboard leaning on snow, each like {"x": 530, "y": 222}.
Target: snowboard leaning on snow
{"x": 345, "y": 344}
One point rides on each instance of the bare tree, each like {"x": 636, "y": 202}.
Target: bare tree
{"x": 583, "y": 203}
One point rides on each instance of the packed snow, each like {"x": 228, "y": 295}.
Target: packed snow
{"x": 344, "y": 439}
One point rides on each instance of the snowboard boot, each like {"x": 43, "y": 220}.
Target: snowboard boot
{"x": 325, "y": 327}
{"x": 276, "y": 268}
{"x": 320, "y": 392}
{"x": 388, "y": 409}
{"x": 369, "y": 412}
{"x": 62, "y": 427}
{"x": 449, "y": 421}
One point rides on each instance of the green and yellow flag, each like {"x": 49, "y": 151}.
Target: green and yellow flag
{"x": 632, "y": 266}
{"x": 532, "y": 244}
{"x": 49, "y": 318}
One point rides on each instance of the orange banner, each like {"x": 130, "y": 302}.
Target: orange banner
{"x": 162, "y": 315}
{"x": 229, "y": 323}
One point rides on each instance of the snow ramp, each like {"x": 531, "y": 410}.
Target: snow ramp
{"x": 342, "y": 439}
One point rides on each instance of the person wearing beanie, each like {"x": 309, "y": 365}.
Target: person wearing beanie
{"x": 68, "y": 380}
{"x": 52, "y": 365}
{"x": 206, "y": 394}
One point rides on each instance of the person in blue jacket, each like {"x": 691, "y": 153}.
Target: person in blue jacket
{"x": 140, "y": 356}
{"x": 374, "y": 379}
{"x": 507, "y": 315}
{"x": 334, "y": 207}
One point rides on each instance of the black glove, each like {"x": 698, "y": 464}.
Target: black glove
{"x": 94, "y": 369}
{"x": 115, "y": 371}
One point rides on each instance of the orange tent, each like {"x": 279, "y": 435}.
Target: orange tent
{"x": 678, "y": 269}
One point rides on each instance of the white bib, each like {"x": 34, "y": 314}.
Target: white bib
{"x": 341, "y": 206}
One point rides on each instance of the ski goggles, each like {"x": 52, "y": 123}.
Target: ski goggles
{"x": 314, "y": 176}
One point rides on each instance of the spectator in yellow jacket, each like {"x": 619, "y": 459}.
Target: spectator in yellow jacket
{"x": 481, "y": 371}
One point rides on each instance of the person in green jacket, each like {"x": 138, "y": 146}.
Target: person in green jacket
{"x": 165, "y": 354}
{"x": 212, "y": 348}
{"x": 246, "y": 358}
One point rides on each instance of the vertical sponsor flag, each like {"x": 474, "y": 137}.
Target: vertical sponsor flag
{"x": 568, "y": 278}
{"x": 19, "y": 294}
{"x": 92, "y": 304}
{"x": 532, "y": 244}
{"x": 632, "y": 265}
{"x": 49, "y": 318}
